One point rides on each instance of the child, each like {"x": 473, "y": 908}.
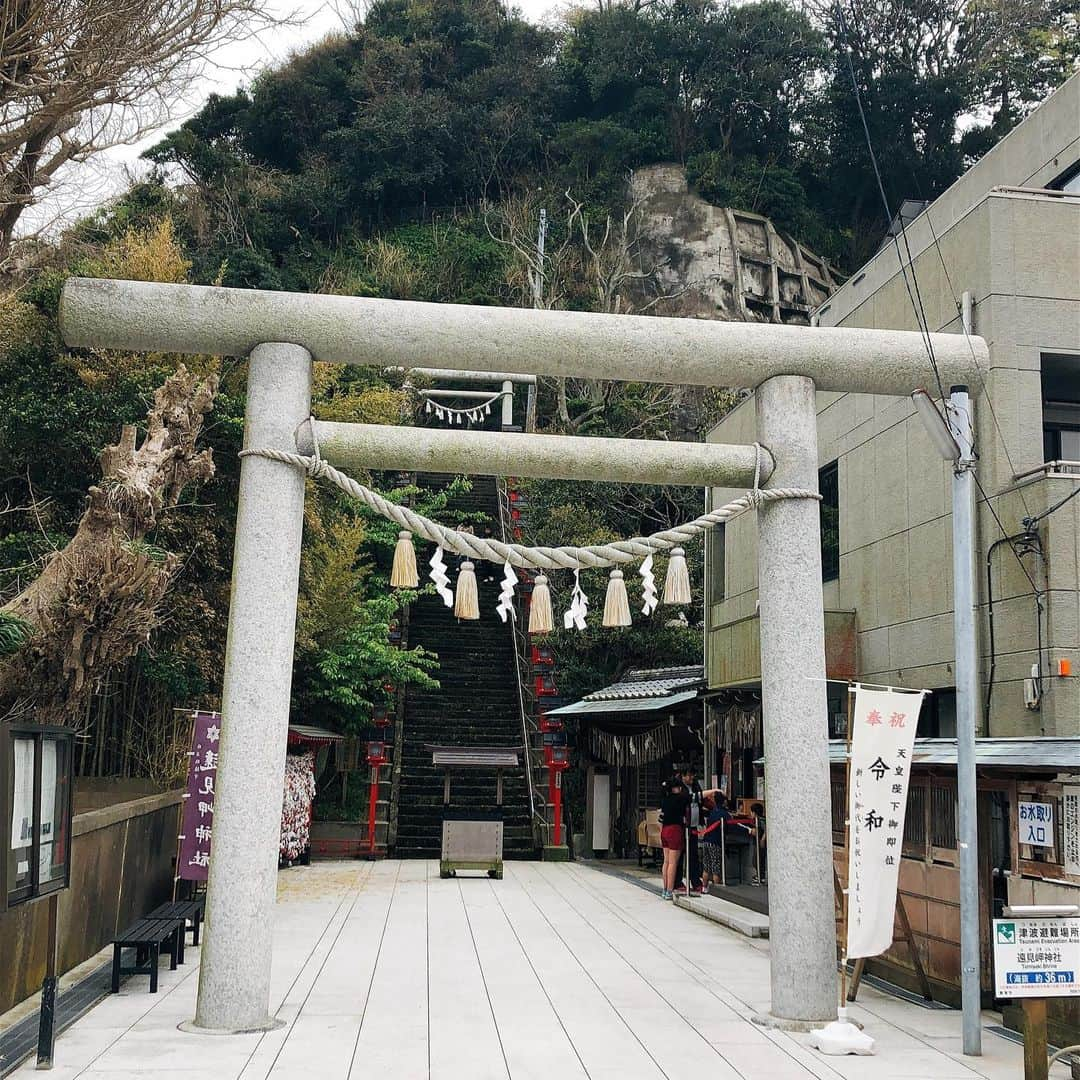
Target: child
{"x": 712, "y": 838}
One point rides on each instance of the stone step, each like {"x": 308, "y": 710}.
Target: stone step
{"x": 742, "y": 920}
{"x": 476, "y": 705}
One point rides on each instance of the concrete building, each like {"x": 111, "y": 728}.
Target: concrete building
{"x": 1007, "y": 234}
{"x": 1003, "y": 245}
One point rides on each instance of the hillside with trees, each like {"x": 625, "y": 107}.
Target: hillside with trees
{"x": 410, "y": 157}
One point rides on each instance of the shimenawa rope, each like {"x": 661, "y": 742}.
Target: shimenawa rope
{"x": 546, "y": 558}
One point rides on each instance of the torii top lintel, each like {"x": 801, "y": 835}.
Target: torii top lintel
{"x": 151, "y": 317}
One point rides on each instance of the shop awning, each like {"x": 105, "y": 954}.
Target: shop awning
{"x": 641, "y": 702}
{"x": 306, "y": 735}
{"x": 636, "y": 705}
{"x": 1039, "y": 754}
{"x": 1042, "y": 753}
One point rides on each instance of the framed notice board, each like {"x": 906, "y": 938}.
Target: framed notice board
{"x": 36, "y": 766}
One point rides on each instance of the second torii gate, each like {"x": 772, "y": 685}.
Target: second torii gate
{"x": 281, "y": 333}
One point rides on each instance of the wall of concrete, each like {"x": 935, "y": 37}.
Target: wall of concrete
{"x": 1019, "y": 256}
{"x": 121, "y": 868}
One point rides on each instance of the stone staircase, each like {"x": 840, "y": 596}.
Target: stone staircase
{"x": 476, "y": 705}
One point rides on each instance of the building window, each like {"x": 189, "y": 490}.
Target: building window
{"x": 1061, "y": 407}
{"x": 1069, "y": 180}
{"x": 829, "y": 486}
{"x": 838, "y": 788}
{"x": 915, "y": 821}
{"x": 937, "y": 719}
{"x": 837, "y": 697}
{"x": 714, "y": 564}
{"x": 943, "y": 817}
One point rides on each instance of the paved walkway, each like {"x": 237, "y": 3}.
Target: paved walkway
{"x": 557, "y": 972}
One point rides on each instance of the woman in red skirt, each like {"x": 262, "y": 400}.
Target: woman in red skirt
{"x": 673, "y": 807}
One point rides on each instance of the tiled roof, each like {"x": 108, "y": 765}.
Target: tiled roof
{"x": 647, "y": 683}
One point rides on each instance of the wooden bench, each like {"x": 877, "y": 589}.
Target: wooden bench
{"x": 190, "y": 911}
{"x": 146, "y": 937}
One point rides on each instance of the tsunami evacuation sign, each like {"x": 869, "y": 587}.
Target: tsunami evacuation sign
{"x": 1037, "y": 957}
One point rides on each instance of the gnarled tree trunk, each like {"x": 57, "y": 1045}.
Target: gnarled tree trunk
{"x": 97, "y": 600}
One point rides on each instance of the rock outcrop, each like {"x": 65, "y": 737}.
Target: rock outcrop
{"x": 719, "y": 263}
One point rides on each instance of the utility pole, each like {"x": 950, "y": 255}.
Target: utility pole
{"x": 538, "y": 274}
{"x": 953, "y": 436}
{"x": 967, "y": 711}
{"x": 538, "y": 302}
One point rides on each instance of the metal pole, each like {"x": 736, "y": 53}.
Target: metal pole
{"x": 967, "y": 710}
{"x": 802, "y": 925}
{"x": 538, "y": 277}
{"x": 47, "y": 1016}
{"x": 234, "y": 976}
{"x": 847, "y": 848}
{"x": 373, "y": 803}
{"x": 686, "y": 868}
{"x": 538, "y": 302}
{"x": 558, "y": 807}
{"x": 723, "y": 853}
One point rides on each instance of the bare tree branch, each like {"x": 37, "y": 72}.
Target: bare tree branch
{"x": 77, "y": 76}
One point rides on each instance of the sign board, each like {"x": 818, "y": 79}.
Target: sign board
{"x": 1037, "y": 957}
{"x": 197, "y": 825}
{"x": 35, "y": 811}
{"x": 882, "y": 739}
{"x": 1036, "y": 823}
{"x": 1070, "y": 828}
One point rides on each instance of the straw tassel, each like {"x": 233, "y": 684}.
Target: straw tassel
{"x": 466, "y": 604}
{"x": 616, "y": 603}
{"x": 541, "y": 620}
{"x": 677, "y": 582}
{"x": 403, "y": 573}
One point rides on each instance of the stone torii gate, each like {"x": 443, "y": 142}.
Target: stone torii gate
{"x": 281, "y": 333}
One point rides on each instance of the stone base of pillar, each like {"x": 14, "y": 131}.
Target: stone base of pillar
{"x": 780, "y": 1023}
{"x": 556, "y": 853}
{"x": 271, "y": 1023}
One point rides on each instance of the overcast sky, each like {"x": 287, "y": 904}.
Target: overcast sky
{"x": 231, "y": 67}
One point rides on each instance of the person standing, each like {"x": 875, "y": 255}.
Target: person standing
{"x": 695, "y": 819}
{"x": 674, "y": 803}
{"x": 712, "y": 840}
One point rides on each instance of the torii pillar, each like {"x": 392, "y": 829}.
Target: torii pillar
{"x": 794, "y": 710}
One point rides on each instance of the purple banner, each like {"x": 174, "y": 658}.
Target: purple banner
{"x": 198, "y": 819}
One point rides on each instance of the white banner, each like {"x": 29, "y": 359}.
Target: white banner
{"x": 882, "y": 738}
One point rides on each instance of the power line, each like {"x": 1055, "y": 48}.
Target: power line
{"x": 982, "y": 377}
{"x": 915, "y": 294}
{"x": 1005, "y": 535}
{"x": 1034, "y": 520}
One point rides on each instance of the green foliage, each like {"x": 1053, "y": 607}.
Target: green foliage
{"x": 749, "y": 184}
{"x": 345, "y": 681}
{"x": 434, "y": 105}
{"x": 456, "y": 262}
{"x": 150, "y": 551}
{"x": 597, "y": 657}
{"x": 14, "y": 633}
